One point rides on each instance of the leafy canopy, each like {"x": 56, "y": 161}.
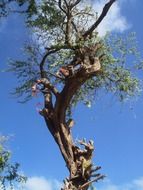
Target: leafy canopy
{"x": 9, "y": 175}
{"x": 47, "y": 19}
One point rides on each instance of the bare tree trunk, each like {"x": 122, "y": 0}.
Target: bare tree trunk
{"x": 78, "y": 158}
{"x": 85, "y": 65}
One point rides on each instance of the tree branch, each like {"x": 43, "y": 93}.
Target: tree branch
{"x": 55, "y": 75}
{"x": 69, "y": 19}
{"x": 48, "y": 85}
{"x": 75, "y": 28}
{"x": 42, "y": 70}
{"x": 76, "y": 3}
{"x": 50, "y": 51}
{"x": 60, "y": 6}
{"x": 99, "y": 20}
{"x": 66, "y": 4}
{"x": 68, "y": 23}
{"x": 89, "y": 182}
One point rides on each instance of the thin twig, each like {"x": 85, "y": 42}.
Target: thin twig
{"x": 50, "y": 51}
{"x": 42, "y": 71}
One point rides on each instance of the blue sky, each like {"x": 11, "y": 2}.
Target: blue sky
{"x": 116, "y": 128}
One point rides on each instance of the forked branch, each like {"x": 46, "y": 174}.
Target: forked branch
{"x": 60, "y": 6}
{"x": 86, "y": 64}
{"x": 90, "y": 182}
{"x": 47, "y": 85}
{"x": 51, "y": 50}
{"x": 99, "y": 20}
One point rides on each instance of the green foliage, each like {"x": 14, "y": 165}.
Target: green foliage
{"x": 26, "y": 72}
{"x": 9, "y": 175}
{"x": 44, "y": 15}
{"x": 118, "y": 75}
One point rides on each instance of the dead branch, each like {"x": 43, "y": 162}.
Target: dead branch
{"x": 90, "y": 182}
{"x": 100, "y": 18}
{"x": 94, "y": 169}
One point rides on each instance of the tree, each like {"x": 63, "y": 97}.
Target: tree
{"x": 67, "y": 64}
{"x": 9, "y": 174}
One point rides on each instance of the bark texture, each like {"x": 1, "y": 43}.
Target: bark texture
{"x": 78, "y": 158}
{"x": 85, "y": 65}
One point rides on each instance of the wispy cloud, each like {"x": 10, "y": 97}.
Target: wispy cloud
{"x": 114, "y": 21}
{"x": 36, "y": 183}
{"x": 136, "y": 184}
{"x": 41, "y": 183}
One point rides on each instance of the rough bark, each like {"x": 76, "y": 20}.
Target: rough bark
{"x": 78, "y": 158}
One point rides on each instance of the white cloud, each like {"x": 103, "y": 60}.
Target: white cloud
{"x": 114, "y": 21}
{"x": 41, "y": 183}
{"x": 136, "y": 184}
